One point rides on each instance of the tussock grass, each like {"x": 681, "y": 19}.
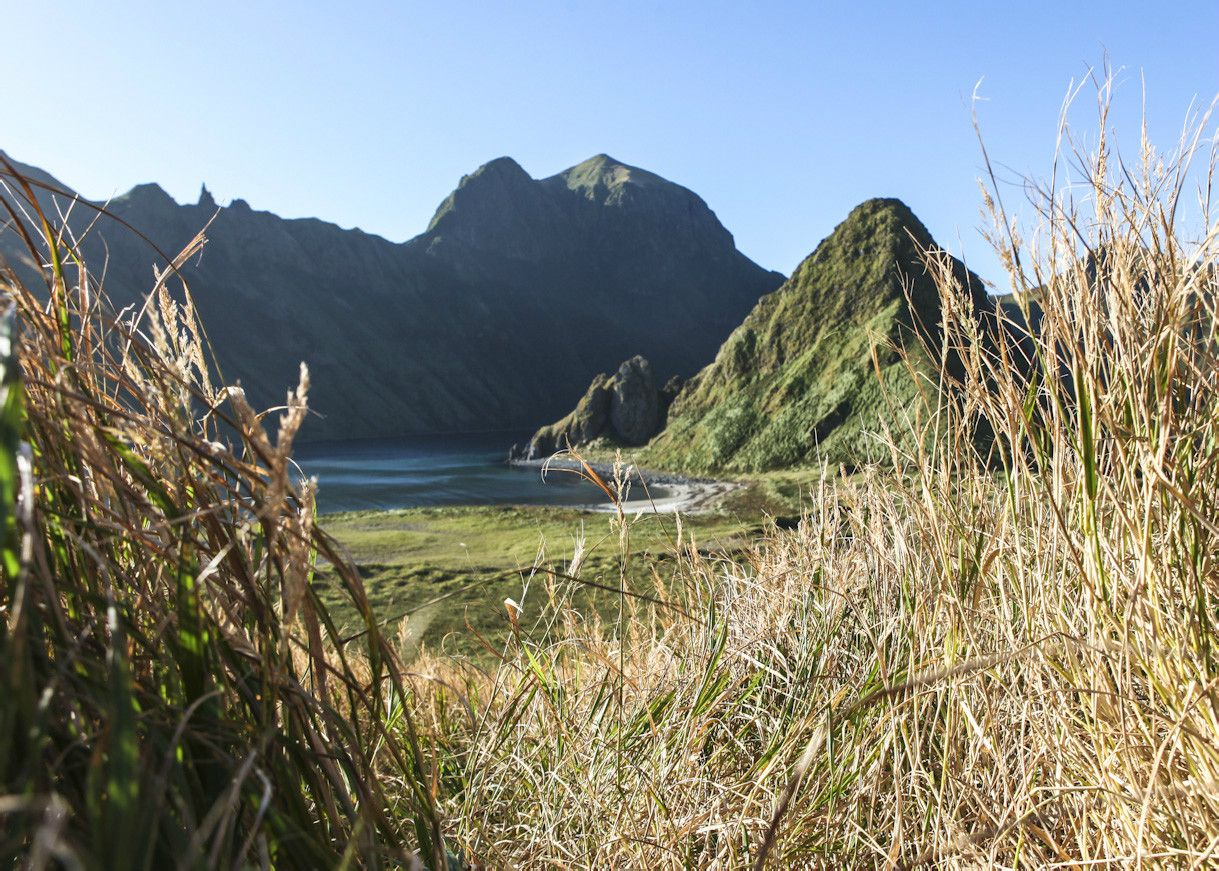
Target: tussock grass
{"x": 172, "y": 692}
{"x": 1000, "y": 660}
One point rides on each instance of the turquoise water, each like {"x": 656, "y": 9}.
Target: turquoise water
{"x": 409, "y": 472}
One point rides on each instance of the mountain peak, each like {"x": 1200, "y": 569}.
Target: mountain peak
{"x": 602, "y": 173}
{"x": 886, "y": 215}
{"x": 599, "y": 162}
{"x": 502, "y": 167}
{"x": 149, "y": 192}
{"x": 497, "y": 184}
{"x": 876, "y": 237}
{"x": 797, "y": 383}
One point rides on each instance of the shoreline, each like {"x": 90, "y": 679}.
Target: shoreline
{"x": 683, "y": 493}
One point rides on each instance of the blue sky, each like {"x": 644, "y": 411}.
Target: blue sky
{"x": 781, "y": 115}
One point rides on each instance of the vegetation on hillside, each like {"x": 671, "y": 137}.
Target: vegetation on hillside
{"x": 826, "y": 361}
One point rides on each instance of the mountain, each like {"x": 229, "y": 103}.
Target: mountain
{"x": 496, "y": 317}
{"x": 796, "y": 383}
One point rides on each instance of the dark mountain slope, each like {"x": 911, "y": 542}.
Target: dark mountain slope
{"x": 515, "y": 296}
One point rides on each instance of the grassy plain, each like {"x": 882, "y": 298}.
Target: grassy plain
{"x": 448, "y": 570}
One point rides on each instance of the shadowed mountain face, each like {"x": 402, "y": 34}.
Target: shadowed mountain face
{"x": 797, "y": 382}
{"x": 496, "y": 317}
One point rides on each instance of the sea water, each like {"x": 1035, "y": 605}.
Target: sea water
{"x": 415, "y": 471}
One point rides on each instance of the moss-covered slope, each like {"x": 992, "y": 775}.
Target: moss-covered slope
{"x": 798, "y": 381}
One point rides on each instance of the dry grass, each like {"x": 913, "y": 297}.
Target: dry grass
{"x": 172, "y": 692}
{"x": 1002, "y": 661}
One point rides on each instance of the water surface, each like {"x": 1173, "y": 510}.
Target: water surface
{"x": 414, "y": 471}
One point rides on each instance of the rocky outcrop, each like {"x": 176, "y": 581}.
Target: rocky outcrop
{"x": 635, "y": 408}
{"x": 585, "y": 423}
{"x": 625, "y": 408}
{"x": 668, "y": 393}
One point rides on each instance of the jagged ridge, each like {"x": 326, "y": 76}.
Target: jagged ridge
{"x": 494, "y": 318}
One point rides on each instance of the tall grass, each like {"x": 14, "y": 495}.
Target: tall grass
{"x": 960, "y": 659}
{"x": 1001, "y": 660}
{"x": 172, "y": 692}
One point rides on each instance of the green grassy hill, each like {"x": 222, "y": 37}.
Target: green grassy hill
{"x": 797, "y": 381}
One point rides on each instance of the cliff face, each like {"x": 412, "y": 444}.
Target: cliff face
{"x": 797, "y": 382}
{"x": 496, "y": 317}
{"x": 625, "y": 408}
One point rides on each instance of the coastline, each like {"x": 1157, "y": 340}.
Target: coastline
{"x": 682, "y": 493}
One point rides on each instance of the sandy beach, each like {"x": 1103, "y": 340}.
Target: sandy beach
{"x": 648, "y": 491}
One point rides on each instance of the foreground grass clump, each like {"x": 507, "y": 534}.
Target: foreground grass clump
{"x": 172, "y": 692}
{"x": 943, "y": 664}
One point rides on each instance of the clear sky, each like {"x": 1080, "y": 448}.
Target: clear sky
{"x": 782, "y": 115}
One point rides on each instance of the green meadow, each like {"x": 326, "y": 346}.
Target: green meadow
{"x": 440, "y": 575}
